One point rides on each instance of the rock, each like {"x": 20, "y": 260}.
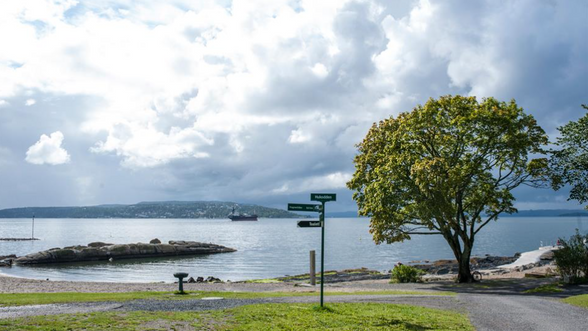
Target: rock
{"x": 191, "y": 280}
{"x": 101, "y": 251}
{"x": 547, "y": 256}
{"x": 98, "y": 244}
{"x": 155, "y": 241}
{"x": 6, "y": 263}
{"x": 200, "y": 280}
{"x": 211, "y": 279}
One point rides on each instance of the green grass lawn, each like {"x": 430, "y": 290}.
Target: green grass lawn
{"x": 578, "y": 300}
{"x": 19, "y": 299}
{"x": 339, "y": 316}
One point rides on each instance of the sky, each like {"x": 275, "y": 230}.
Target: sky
{"x": 121, "y": 101}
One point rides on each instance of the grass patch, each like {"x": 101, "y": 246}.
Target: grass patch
{"x": 578, "y": 300}
{"x": 263, "y": 281}
{"x": 339, "y": 316}
{"x": 20, "y": 299}
{"x": 547, "y": 288}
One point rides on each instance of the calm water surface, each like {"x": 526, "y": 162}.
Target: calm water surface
{"x": 267, "y": 248}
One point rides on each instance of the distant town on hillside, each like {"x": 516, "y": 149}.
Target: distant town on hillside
{"x": 154, "y": 209}
{"x": 209, "y": 210}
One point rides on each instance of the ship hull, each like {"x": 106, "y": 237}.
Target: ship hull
{"x": 236, "y": 218}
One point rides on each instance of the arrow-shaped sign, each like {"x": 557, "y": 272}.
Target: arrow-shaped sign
{"x": 304, "y": 207}
{"x": 309, "y": 224}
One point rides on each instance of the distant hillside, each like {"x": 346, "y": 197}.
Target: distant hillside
{"x": 548, "y": 213}
{"x": 342, "y": 214}
{"x": 155, "y": 209}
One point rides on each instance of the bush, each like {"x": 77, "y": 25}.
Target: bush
{"x": 406, "y": 274}
{"x": 572, "y": 259}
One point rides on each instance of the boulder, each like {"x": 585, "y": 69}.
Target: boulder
{"x": 155, "y": 241}
{"x": 118, "y": 250}
{"x": 98, "y": 244}
{"x": 547, "y": 256}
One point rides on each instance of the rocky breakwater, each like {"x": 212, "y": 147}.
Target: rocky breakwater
{"x": 98, "y": 251}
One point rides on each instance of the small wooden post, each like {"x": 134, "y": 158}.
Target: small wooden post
{"x": 312, "y": 268}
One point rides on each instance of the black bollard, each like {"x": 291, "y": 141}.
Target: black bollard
{"x": 180, "y": 276}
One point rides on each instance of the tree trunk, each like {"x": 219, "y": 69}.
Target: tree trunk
{"x": 464, "y": 274}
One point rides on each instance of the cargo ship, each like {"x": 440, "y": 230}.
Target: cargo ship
{"x": 241, "y": 217}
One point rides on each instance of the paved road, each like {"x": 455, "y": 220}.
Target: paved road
{"x": 487, "y": 312}
{"x": 522, "y": 313}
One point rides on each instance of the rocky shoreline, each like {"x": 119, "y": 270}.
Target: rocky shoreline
{"x": 99, "y": 251}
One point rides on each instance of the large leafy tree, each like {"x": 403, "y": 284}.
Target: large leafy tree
{"x": 569, "y": 164}
{"x": 446, "y": 168}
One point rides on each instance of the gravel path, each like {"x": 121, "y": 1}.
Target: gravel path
{"x": 55, "y": 309}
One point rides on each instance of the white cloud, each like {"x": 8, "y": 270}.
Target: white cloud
{"x": 320, "y": 70}
{"x": 30, "y": 102}
{"x": 146, "y": 147}
{"x": 332, "y": 181}
{"x": 298, "y": 136}
{"x": 48, "y": 150}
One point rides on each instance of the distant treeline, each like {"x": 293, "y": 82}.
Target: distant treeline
{"x": 548, "y": 213}
{"x": 165, "y": 209}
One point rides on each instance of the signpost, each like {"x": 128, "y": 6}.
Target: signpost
{"x": 322, "y": 198}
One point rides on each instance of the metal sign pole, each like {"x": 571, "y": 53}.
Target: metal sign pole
{"x": 322, "y": 216}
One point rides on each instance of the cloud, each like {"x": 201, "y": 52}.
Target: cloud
{"x": 146, "y": 147}
{"x": 235, "y": 100}
{"x": 48, "y": 150}
{"x": 30, "y": 102}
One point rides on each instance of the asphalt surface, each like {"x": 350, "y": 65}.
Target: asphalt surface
{"x": 522, "y": 313}
{"x": 486, "y": 312}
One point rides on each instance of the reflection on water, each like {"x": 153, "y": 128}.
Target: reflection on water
{"x": 267, "y": 248}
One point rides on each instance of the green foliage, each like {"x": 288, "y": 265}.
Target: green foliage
{"x": 406, "y": 274}
{"x": 336, "y": 316}
{"x": 447, "y": 168}
{"x": 572, "y": 258}
{"x": 569, "y": 164}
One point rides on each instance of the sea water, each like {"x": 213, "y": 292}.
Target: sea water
{"x": 266, "y": 248}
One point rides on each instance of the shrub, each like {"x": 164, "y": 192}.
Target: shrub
{"x": 572, "y": 259}
{"x": 406, "y": 274}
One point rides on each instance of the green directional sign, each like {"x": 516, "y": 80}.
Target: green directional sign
{"x": 304, "y": 207}
{"x": 323, "y": 197}
{"x": 309, "y": 224}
